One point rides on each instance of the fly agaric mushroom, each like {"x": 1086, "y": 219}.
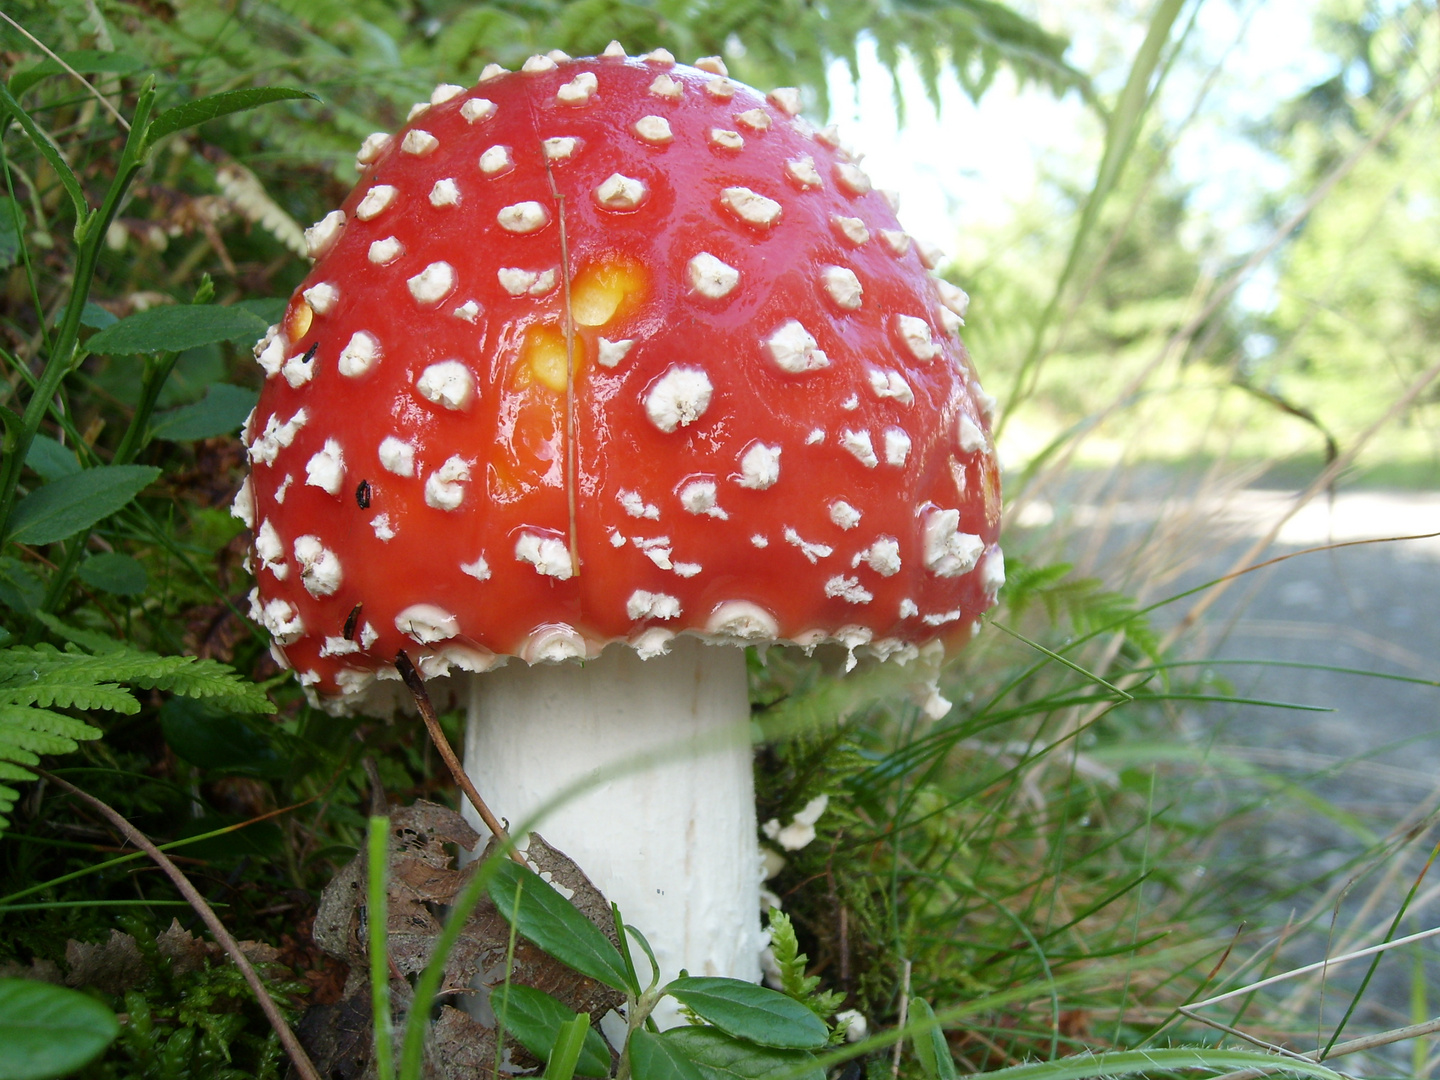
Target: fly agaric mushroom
{"x": 618, "y": 352}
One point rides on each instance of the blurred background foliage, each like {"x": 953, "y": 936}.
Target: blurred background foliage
{"x": 1041, "y": 840}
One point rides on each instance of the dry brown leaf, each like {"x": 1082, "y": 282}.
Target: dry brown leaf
{"x": 113, "y": 967}
{"x": 422, "y": 882}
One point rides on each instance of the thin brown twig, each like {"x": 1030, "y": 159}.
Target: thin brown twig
{"x": 416, "y": 686}
{"x": 298, "y": 1057}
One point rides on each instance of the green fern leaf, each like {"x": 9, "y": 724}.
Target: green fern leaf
{"x": 36, "y": 680}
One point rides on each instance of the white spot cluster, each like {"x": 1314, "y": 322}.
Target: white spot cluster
{"x": 547, "y": 554}
{"x": 852, "y": 179}
{"x": 720, "y": 88}
{"x": 786, "y": 99}
{"x": 651, "y": 605}
{"x": 320, "y": 571}
{"x": 446, "y": 192}
{"x": 654, "y": 129}
{"x": 619, "y": 192}
{"x": 637, "y": 507}
{"x": 811, "y": 550}
{"x": 432, "y": 284}
{"x": 496, "y": 160}
{"x": 883, "y": 556}
{"x": 891, "y": 384}
{"x": 271, "y": 551}
{"x": 518, "y": 282}
{"x": 844, "y": 515}
{"x": 915, "y": 333}
{"x": 397, "y": 456}
{"x": 726, "y": 139}
{"x": 848, "y": 589}
{"x": 322, "y": 297}
{"x": 376, "y": 201}
{"x": 743, "y": 621}
{"x": 971, "y": 437}
{"x": 299, "y": 369}
{"x": 374, "y": 146}
{"x": 385, "y": 250}
{"x": 523, "y": 217}
{"x": 665, "y": 87}
{"x": 794, "y": 349}
{"x": 418, "y": 142}
{"x": 579, "y": 90}
{"x": 802, "y": 170}
{"x": 859, "y": 444}
{"x": 897, "y": 446}
{"x": 677, "y": 398}
{"x": 852, "y": 229}
{"x": 477, "y": 109}
{"x": 276, "y": 437}
{"x": 427, "y": 623}
{"x": 479, "y": 569}
{"x": 948, "y": 551}
{"x": 750, "y": 206}
{"x": 321, "y": 236}
{"x": 447, "y": 383}
{"x": 359, "y": 354}
{"x": 443, "y": 487}
{"x": 712, "y": 278}
{"x": 560, "y": 147}
{"x": 759, "y": 466}
{"x": 754, "y": 119}
{"x": 611, "y": 353}
{"x": 700, "y": 497}
{"x": 326, "y": 468}
{"x": 843, "y": 287}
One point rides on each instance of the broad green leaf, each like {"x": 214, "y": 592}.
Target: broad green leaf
{"x": 930, "y": 1045}
{"x": 10, "y": 217}
{"x": 83, "y": 61}
{"x": 50, "y": 459}
{"x": 719, "y": 1057}
{"x": 96, "y": 317}
{"x": 268, "y": 308}
{"x": 221, "y": 412}
{"x": 655, "y": 1058}
{"x": 65, "y": 506}
{"x": 176, "y": 327}
{"x": 212, "y": 737}
{"x": 48, "y": 1031}
{"x": 753, "y": 1013}
{"x": 535, "y": 1018}
{"x": 20, "y": 589}
{"x": 205, "y": 109}
{"x": 546, "y": 918}
{"x": 114, "y": 573}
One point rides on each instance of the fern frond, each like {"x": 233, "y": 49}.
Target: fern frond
{"x": 36, "y": 680}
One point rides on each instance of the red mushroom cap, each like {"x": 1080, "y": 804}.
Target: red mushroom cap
{"x": 776, "y": 432}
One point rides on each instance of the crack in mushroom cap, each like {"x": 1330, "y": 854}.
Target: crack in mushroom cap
{"x": 740, "y": 290}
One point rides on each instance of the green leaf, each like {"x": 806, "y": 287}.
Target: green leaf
{"x": 204, "y": 109}
{"x": 269, "y": 308}
{"x": 221, "y": 412}
{"x": 49, "y": 152}
{"x": 83, "y": 61}
{"x": 1157, "y": 1062}
{"x": 20, "y": 589}
{"x": 49, "y": 1031}
{"x": 51, "y": 459}
{"x": 930, "y": 1045}
{"x": 65, "y": 506}
{"x": 535, "y": 1018}
{"x": 95, "y": 316}
{"x": 655, "y": 1058}
{"x": 175, "y": 328}
{"x": 114, "y": 573}
{"x": 569, "y": 1044}
{"x": 753, "y": 1013}
{"x": 212, "y": 737}
{"x": 551, "y": 922}
{"x": 10, "y": 217}
{"x": 719, "y": 1057}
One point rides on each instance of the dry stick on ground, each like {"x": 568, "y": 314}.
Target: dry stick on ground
{"x": 226, "y": 940}
{"x": 416, "y": 686}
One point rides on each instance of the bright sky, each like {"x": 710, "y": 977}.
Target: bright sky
{"x": 971, "y": 164}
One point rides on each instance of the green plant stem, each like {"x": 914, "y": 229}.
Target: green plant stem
{"x": 157, "y": 372}
{"x": 90, "y": 229}
{"x": 378, "y": 920}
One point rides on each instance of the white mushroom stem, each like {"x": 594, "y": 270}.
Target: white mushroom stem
{"x": 668, "y": 833}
